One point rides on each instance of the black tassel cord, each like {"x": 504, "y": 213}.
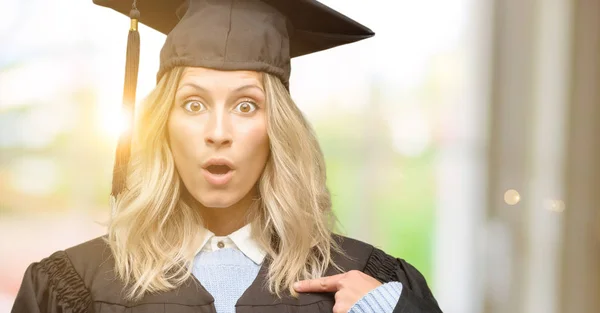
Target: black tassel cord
{"x": 129, "y": 90}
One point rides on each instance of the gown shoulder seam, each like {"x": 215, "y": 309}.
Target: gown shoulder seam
{"x": 66, "y": 285}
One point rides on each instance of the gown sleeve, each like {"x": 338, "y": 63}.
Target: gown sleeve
{"x": 416, "y": 296}
{"x": 52, "y": 286}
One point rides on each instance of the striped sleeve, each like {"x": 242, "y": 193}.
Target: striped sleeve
{"x": 382, "y": 299}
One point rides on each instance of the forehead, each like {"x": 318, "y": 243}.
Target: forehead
{"x": 210, "y": 78}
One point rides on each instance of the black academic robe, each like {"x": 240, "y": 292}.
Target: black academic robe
{"x": 81, "y": 279}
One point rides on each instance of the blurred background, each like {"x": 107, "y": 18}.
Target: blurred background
{"x": 463, "y": 137}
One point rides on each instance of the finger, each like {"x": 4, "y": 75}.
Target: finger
{"x": 340, "y": 307}
{"x": 323, "y": 284}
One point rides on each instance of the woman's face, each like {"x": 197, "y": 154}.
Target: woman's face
{"x": 218, "y": 134}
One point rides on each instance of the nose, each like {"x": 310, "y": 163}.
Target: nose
{"x": 218, "y": 130}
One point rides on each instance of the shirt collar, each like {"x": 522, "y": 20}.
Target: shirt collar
{"x": 239, "y": 239}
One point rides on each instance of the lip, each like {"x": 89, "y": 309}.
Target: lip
{"x": 218, "y": 161}
{"x": 217, "y": 179}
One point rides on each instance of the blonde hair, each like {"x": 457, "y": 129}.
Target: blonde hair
{"x": 154, "y": 233}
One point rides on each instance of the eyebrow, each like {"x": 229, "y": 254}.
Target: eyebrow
{"x": 202, "y": 89}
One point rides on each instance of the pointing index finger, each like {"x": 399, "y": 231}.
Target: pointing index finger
{"x": 323, "y": 284}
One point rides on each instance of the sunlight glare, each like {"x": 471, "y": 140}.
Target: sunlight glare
{"x": 113, "y": 121}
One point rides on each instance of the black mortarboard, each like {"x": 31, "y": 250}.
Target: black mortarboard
{"x": 258, "y": 35}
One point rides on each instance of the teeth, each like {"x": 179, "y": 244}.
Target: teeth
{"x": 218, "y": 169}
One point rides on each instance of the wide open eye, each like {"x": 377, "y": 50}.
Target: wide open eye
{"x": 193, "y": 106}
{"x": 246, "y": 107}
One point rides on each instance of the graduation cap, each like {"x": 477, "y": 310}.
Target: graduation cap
{"x": 256, "y": 35}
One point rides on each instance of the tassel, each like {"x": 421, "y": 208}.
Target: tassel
{"x": 129, "y": 90}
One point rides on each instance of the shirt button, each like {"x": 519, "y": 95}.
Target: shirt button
{"x": 220, "y": 244}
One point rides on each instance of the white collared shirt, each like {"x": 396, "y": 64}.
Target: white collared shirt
{"x": 239, "y": 240}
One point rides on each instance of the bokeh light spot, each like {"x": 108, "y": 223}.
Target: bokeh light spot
{"x": 555, "y": 205}
{"x": 512, "y": 197}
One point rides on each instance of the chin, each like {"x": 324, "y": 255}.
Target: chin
{"x": 217, "y": 198}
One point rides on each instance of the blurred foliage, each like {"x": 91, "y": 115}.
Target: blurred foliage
{"x": 403, "y": 203}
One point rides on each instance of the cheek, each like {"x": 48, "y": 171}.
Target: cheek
{"x": 256, "y": 142}
{"x": 181, "y": 138}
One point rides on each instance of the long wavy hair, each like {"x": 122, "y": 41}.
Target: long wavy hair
{"x": 154, "y": 232}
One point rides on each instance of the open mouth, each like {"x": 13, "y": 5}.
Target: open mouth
{"x": 218, "y": 169}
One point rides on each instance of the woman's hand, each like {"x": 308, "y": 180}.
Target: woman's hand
{"x": 348, "y": 287}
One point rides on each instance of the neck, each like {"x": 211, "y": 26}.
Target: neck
{"x": 224, "y": 221}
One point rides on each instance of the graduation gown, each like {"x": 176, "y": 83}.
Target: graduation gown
{"x": 81, "y": 279}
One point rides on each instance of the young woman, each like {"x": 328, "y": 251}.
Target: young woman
{"x": 225, "y": 207}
